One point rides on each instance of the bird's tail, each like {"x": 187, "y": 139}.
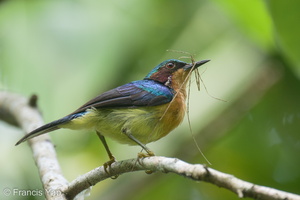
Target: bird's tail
{"x": 52, "y": 126}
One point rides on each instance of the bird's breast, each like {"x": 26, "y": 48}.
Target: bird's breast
{"x": 173, "y": 113}
{"x": 145, "y": 123}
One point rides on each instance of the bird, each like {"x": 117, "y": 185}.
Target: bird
{"x": 136, "y": 113}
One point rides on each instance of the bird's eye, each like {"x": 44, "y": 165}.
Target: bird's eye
{"x": 170, "y": 65}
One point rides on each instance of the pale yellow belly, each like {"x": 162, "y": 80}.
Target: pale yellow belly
{"x": 145, "y": 124}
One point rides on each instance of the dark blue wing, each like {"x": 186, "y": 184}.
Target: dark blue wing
{"x": 134, "y": 94}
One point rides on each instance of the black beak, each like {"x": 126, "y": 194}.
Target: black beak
{"x": 196, "y": 64}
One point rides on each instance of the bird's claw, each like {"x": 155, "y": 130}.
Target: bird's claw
{"x": 108, "y": 165}
{"x": 145, "y": 155}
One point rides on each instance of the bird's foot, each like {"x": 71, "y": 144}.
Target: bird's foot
{"x": 108, "y": 165}
{"x": 142, "y": 155}
{"x": 145, "y": 155}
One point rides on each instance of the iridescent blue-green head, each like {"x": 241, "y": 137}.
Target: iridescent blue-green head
{"x": 173, "y": 72}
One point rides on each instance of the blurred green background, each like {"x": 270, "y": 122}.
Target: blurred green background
{"x": 69, "y": 51}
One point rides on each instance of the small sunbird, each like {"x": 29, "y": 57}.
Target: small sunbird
{"x": 136, "y": 113}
